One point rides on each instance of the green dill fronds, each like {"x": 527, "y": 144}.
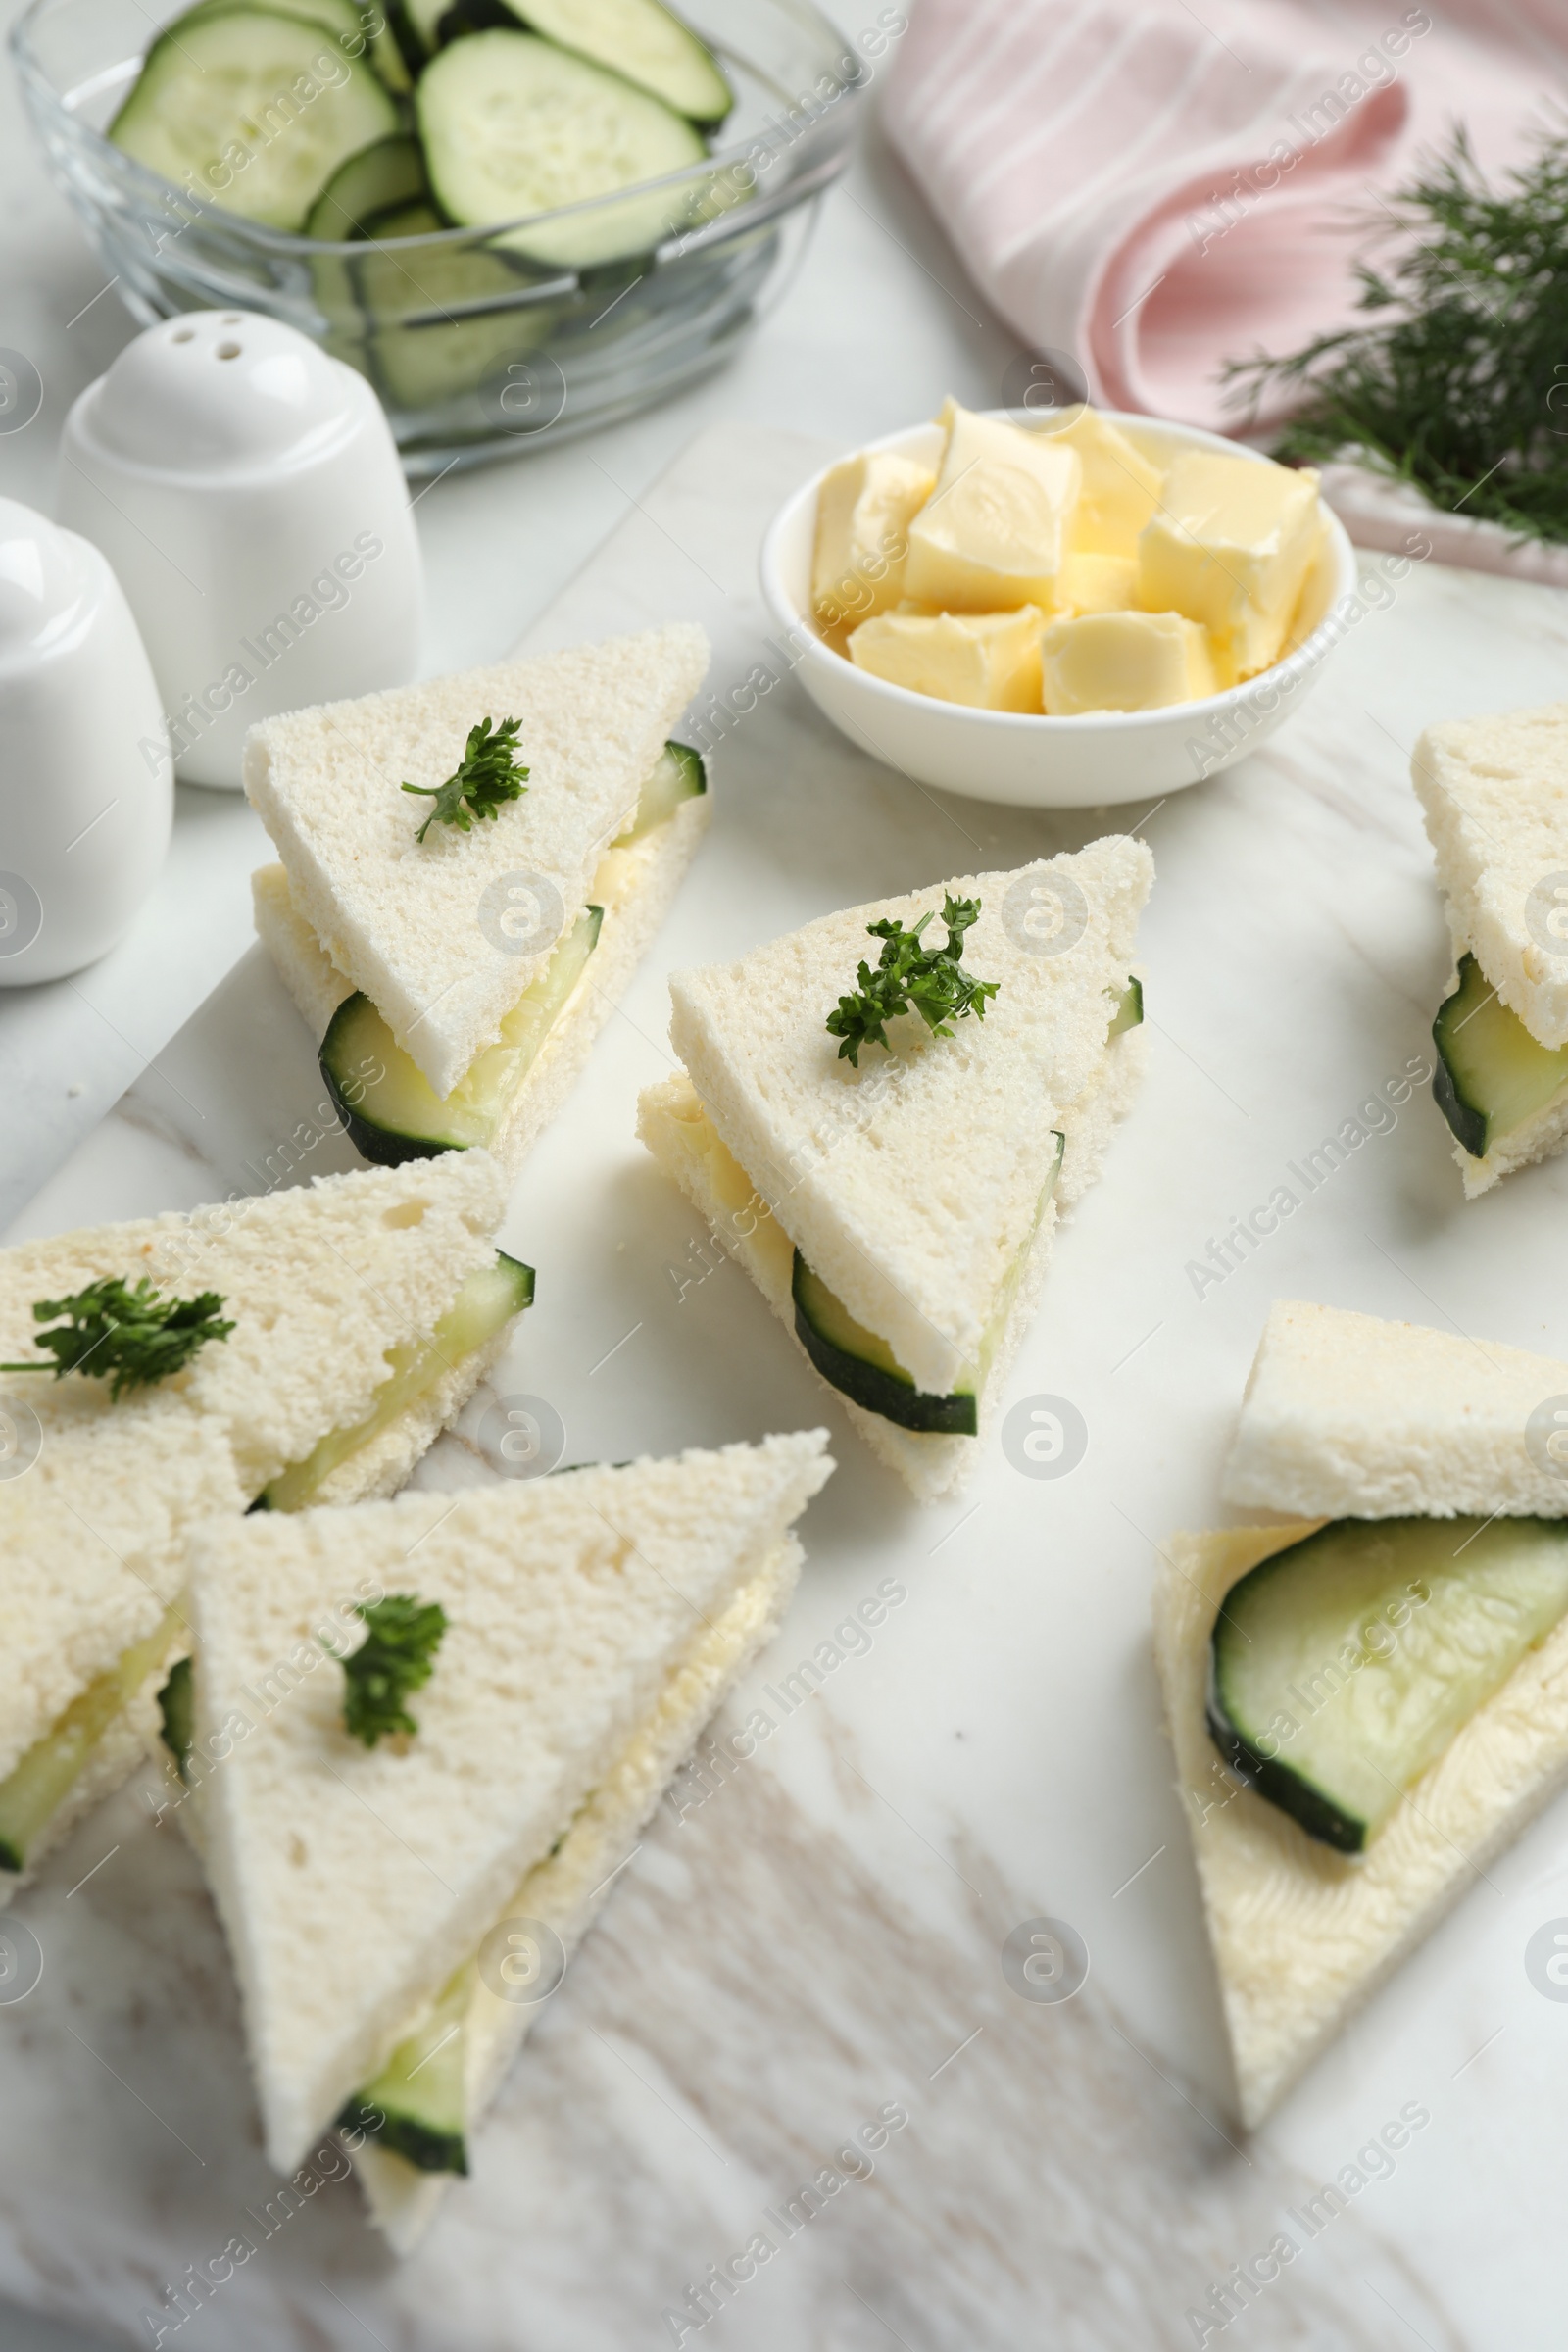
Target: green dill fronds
{"x": 1458, "y": 382}
{"x": 396, "y": 1657}
{"x": 912, "y": 978}
{"x": 488, "y": 776}
{"x": 124, "y": 1333}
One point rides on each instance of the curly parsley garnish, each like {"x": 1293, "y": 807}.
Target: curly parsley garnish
{"x": 488, "y": 776}
{"x": 929, "y": 981}
{"x": 124, "y": 1333}
{"x": 395, "y": 1658}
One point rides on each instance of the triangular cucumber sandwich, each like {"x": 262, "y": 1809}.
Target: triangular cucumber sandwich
{"x": 399, "y": 1903}
{"x": 303, "y": 1347}
{"x": 897, "y": 1211}
{"x": 1494, "y": 795}
{"x": 471, "y": 870}
{"x": 1369, "y": 1700}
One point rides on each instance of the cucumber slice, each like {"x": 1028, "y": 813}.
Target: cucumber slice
{"x": 396, "y": 1114}
{"x": 513, "y": 126}
{"x": 424, "y": 23}
{"x": 177, "y": 1706}
{"x": 1491, "y": 1075}
{"x": 861, "y": 1364}
{"x": 248, "y": 82}
{"x": 642, "y": 42}
{"x": 485, "y": 1305}
{"x": 40, "y": 1783}
{"x": 375, "y": 180}
{"x": 1343, "y": 1666}
{"x": 416, "y": 2106}
{"x": 680, "y": 775}
{"x": 338, "y": 16}
{"x": 865, "y": 1368}
{"x": 425, "y": 348}
{"x": 1129, "y": 1011}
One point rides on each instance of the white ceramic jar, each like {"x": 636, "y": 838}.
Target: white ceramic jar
{"x": 86, "y": 796}
{"x": 247, "y": 490}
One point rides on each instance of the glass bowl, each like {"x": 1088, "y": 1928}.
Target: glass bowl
{"x": 480, "y": 342}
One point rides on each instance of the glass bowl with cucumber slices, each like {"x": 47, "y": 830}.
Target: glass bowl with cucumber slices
{"x": 519, "y": 218}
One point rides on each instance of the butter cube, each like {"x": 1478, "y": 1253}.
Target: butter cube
{"x": 1120, "y": 490}
{"x": 992, "y": 536}
{"x": 990, "y": 661}
{"x": 1123, "y": 661}
{"x": 1230, "y": 547}
{"x": 1097, "y": 584}
{"x": 864, "y": 511}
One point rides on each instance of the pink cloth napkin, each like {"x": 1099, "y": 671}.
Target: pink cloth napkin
{"x": 1155, "y": 187}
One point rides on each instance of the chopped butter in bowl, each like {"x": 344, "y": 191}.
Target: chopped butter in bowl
{"x": 1058, "y": 613}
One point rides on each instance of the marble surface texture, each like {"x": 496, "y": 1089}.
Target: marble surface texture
{"x": 822, "y": 1936}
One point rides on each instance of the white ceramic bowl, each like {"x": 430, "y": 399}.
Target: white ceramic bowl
{"x": 1091, "y": 761}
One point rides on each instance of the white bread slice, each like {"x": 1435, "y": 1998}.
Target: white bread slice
{"x": 913, "y": 1189}
{"x": 566, "y": 1889}
{"x": 1347, "y": 1416}
{"x": 635, "y": 886}
{"x": 401, "y": 918}
{"x": 675, "y": 1126}
{"x": 353, "y": 1882}
{"x": 1494, "y": 792}
{"x": 321, "y": 1281}
{"x": 92, "y": 1561}
{"x": 1302, "y": 1936}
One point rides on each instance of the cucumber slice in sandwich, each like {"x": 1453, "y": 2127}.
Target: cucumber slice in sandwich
{"x": 896, "y": 1216}
{"x": 488, "y": 1302}
{"x": 1388, "y": 1668}
{"x": 429, "y": 932}
{"x": 389, "y": 1108}
{"x": 36, "y": 1788}
{"x": 512, "y": 126}
{"x": 379, "y": 1993}
{"x": 323, "y": 1285}
{"x": 645, "y": 44}
{"x": 863, "y": 1367}
{"x": 1494, "y": 793}
{"x": 1343, "y": 1666}
{"x": 394, "y": 1114}
{"x": 1491, "y": 1075}
{"x": 275, "y": 90}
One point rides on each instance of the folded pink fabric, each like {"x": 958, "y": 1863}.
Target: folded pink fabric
{"x": 1157, "y": 187}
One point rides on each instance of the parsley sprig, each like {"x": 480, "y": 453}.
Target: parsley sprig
{"x": 126, "y": 1332}
{"x": 488, "y": 776}
{"x": 395, "y": 1658}
{"x": 911, "y": 977}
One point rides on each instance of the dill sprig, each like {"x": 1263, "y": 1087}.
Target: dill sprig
{"x": 488, "y": 776}
{"x": 395, "y": 1657}
{"x": 1459, "y": 378}
{"x": 124, "y": 1333}
{"x": 911, "y": 977}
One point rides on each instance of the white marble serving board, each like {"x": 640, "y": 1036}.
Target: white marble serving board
{"x": 822, "y": 1936}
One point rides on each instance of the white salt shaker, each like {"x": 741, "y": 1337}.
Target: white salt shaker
{"x": 86, "y": 798}
{"x": 247, "y": 490}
